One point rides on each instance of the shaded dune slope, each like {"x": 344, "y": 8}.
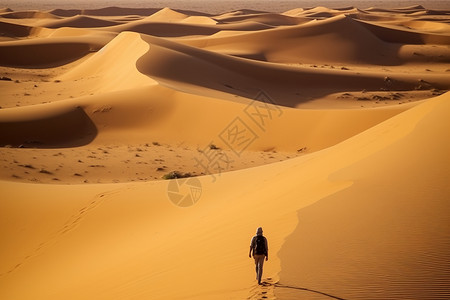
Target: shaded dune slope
{"x": 47, "y": 53}
{"x": 183, "y": 28}
{"x": 119, "y": 11}
{"x": 108, "y": 11}
{"x": 380, "y": 228}
{"x": 265, "y": 18}
{"x": 407, "y": 36}
{"x": 14, "y": 30}
{"x": 27, "y": 15}
{"x": 50, "y": 126}
{"x": 50, "y": 51}
{"x": 80, "y": 22}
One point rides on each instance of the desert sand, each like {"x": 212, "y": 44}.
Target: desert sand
{"x": 141, "y": 148}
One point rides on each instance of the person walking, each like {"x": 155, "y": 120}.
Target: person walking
{"x": 259, "y": 249}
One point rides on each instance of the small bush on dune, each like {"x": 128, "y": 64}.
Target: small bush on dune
{"x": 176, "y": 174}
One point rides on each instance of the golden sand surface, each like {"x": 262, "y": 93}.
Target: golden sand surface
{"x": 141, "y": 147}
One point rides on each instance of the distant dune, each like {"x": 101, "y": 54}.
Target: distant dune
{"x": 141, "y": 147}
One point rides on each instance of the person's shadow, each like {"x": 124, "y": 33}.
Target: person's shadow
{"x": 279, "y": 285}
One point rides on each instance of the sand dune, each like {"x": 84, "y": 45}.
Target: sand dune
{"x": 50, "y": 51}
{"x": 401, "y": 10}
{"x": 298, "y": 44}
{"x": 114, "y": 66}
{"x": 80, "y": 21}
{"x": 392, "y": 226}
{"x": 407, "y": 36}
{"x": 107, "y": 11}
{"x": 428, "y": 26}
{"x": 14, "y": 30}
{"x": 265, "y": 18}
{"x": 148, "y": 117}
{"x": 26, "y": 14}
{"x": 185, "y": 27}
{"x": 325, "y": 126}
{"x": 321, "y": 12}
{"x": 199, "y": 20}
{"x": 75, "y": 237}
{"x": 288, "y": 85}
{"x": 50, "y": 125}
{"x": 165, "y": 29}
{"x": 167, "y": 15}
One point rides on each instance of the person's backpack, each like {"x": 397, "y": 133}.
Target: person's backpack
{"x": 260, "y": 245}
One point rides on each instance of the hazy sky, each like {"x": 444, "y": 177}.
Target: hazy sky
{"x": 215, "y": 5}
